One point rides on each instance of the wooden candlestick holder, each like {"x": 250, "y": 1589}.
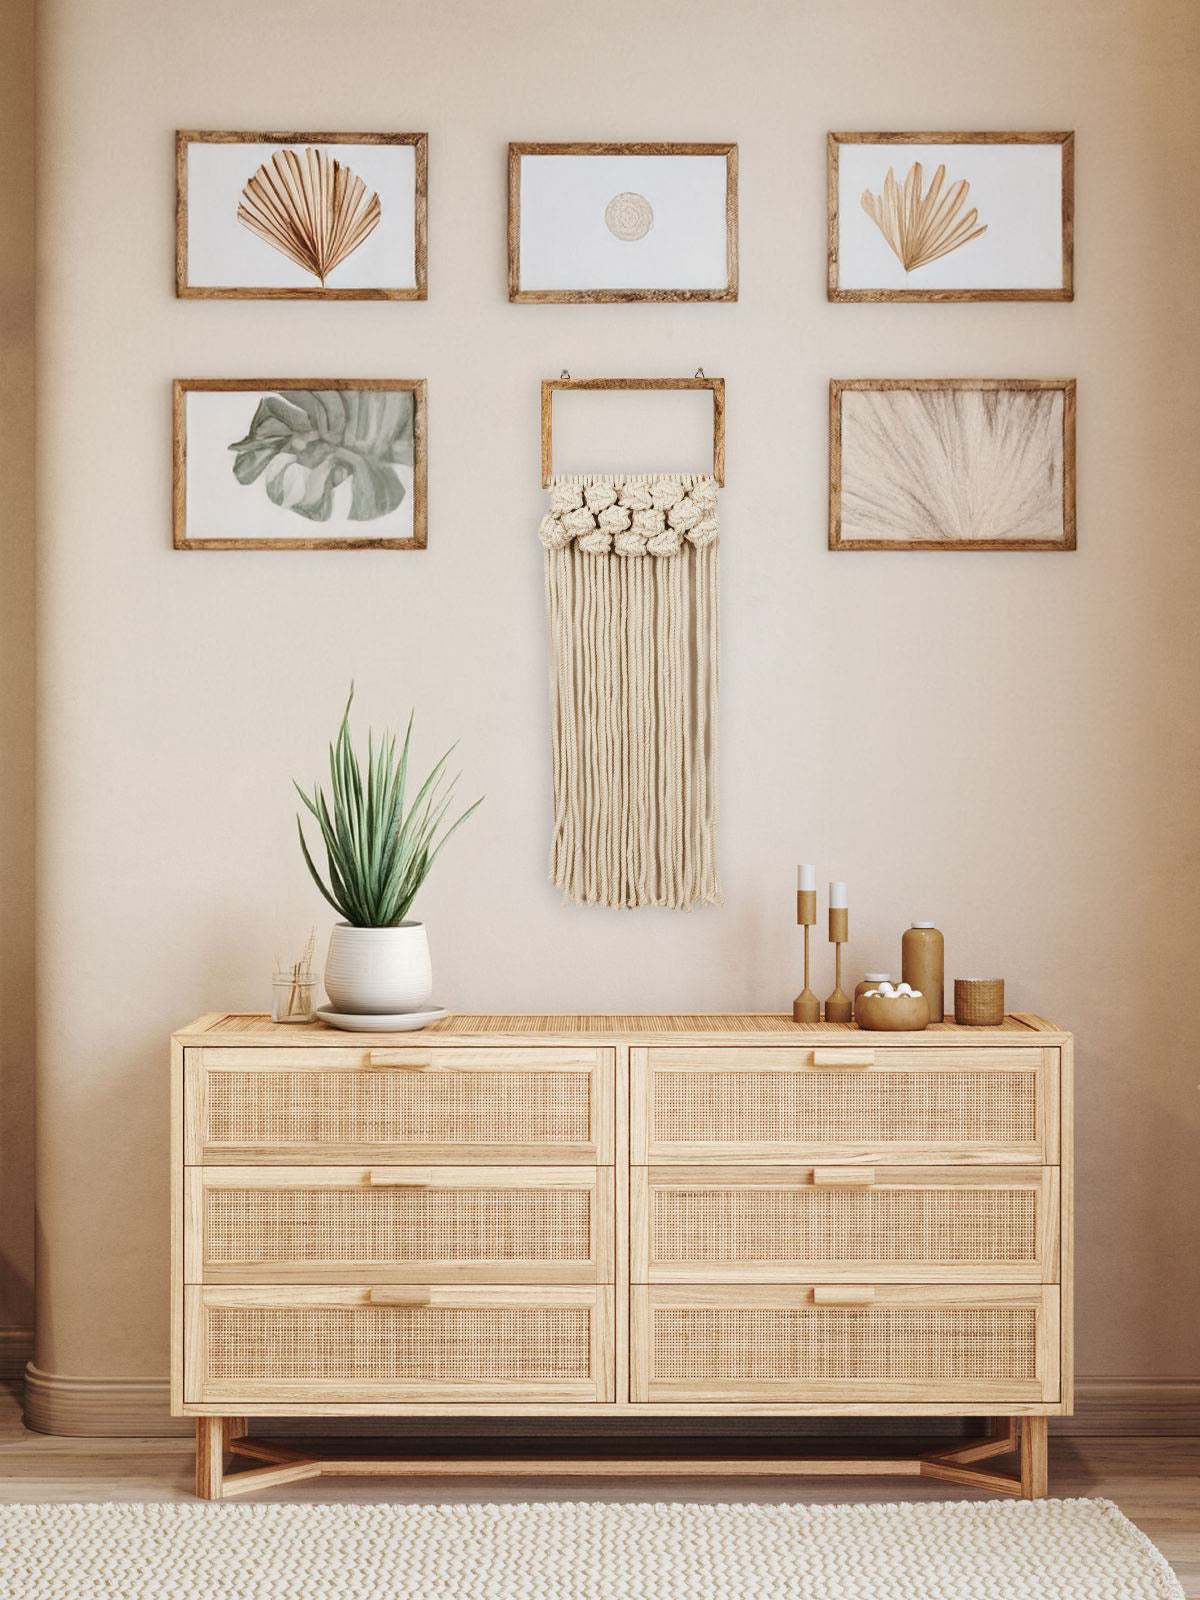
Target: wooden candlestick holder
{"x": 806, "y": 1007}
{"x": 839, "y": 1007}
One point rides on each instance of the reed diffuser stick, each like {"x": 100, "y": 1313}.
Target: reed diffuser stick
{"x": 302, "y": 971}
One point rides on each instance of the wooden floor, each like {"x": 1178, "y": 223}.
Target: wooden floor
{"x": 1155, "y": 1481}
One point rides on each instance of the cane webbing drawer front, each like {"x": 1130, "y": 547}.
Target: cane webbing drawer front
{"x": 892, "y": 1224}
{"x": 424, "y": 1104}
{"x": 875, "y": 1102}
{"x": 366, "y": 1344}
{"x": 324, "y": 1225}
{"x": 987, "y": 1344}
{"x": 717, "y": 1216}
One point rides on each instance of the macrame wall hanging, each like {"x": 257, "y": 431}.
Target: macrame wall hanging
{"x": 631, "y": 598}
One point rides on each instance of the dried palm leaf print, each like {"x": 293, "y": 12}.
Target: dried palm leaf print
{"x": 312, "y": 209}
{"x": 932, "y": 465}
{"x": 921, "y": 227}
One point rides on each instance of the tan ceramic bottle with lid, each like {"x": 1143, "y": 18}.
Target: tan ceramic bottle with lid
{"x": 923, "y": 965}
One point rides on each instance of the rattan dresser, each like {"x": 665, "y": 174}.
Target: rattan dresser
{"x": 673, "y": 1216}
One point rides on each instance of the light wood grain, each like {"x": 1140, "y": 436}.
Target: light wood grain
{"x": 550, "y": 386}
{"x": 574, "y": 1027}
{"x": 622, "y": 1058}
{"x": 1066, "y": 1103}
{"x": 959, "y": 1066}
{"x": 1035, "y": 1458}
{"x": 1065, "y": 292}
{"x": 733, "y": 1192}
{"x": 183, "y": 386}
{"x": 262, "y": 1263}
{"x": 967, "y": 1393}
{"x": 188, "y": 291}
{"x": 478, "y": 1070}
{"x": 620, "y": 296}
{"x": 204, "y": 1388}
{"x": 210, "y": 1449}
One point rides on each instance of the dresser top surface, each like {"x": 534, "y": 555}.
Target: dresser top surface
{"x": 220, "y": 1027}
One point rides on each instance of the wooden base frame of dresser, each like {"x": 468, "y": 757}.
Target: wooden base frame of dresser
{"x": 280, "y": 1462}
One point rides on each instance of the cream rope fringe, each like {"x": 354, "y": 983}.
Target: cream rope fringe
{"x": 633, "y": 686}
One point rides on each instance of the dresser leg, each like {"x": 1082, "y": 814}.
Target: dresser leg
{"x": 210, "y": 1457}
{"x": 1035, "y": 1457}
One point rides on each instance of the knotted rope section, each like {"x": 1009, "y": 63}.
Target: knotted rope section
{"x": 631, "y": 600}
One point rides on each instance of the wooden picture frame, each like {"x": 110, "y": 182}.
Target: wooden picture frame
{"x": 894, "y": 490}
{"x": 1058, "y": 229}
{"x": 715, "y": 385}
{"x": 586, "y": 294}
{"x": 187, "y": 289}
{"x": 415, "y": 424}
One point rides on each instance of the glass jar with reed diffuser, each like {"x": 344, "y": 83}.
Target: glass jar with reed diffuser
{"x": 293, "y": 985}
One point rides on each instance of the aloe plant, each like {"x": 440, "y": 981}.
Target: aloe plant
{"x": 379, "y": 853}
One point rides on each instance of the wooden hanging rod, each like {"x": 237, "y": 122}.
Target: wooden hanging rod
{"x": 715, "y": 385}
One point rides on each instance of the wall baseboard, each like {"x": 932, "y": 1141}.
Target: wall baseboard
{"x": 16, "y": 1348}
{"x": 1141, "y": 1407}
{"x": 101, "y": 1408}
{"x": 139, "y": 1408}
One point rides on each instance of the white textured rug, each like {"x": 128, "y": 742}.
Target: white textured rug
{"x": 961, "y": 1550}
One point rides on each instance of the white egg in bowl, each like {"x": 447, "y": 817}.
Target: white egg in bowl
{"x": 888, "y": 1010}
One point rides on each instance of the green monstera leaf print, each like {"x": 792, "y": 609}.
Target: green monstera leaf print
{"x": 307, "y": 441}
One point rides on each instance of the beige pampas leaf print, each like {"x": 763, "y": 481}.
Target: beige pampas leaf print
{"x": 932, "y": 466}
{"x": 918, "y": 226}
{"x": 310, "y": 208}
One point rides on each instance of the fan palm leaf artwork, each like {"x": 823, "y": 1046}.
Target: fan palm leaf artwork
{"x": 922, "y": 225}
{"x": 311, "y": 208}
{"x": 931, "y": 467}
{"x": 304, "y": 443}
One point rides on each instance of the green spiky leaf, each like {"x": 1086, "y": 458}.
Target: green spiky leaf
{"x": 378, "y": 853}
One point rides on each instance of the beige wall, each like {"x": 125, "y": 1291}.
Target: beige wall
{"x": 1034, "y": 789}
{"x": 17, "y": 241}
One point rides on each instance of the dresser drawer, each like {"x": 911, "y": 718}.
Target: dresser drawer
{"x": 327, "y": 1225}
{"x": 401, "y": 1104}
{"x": 888, "y": 1224}
{"x": 377, "y": 1345}
{"x": 986, "y": 1345}
{"x": 869, "y": 1103}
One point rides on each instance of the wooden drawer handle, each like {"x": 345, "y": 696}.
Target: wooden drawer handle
{"x": 385, "y": 1180}
{"x": 843, "y": 1058}
{"x": 406, "y": 1060}
{"x": 843, "y": 1177}
{"x": 843, "y": 1294}
{"x": 398, "y": 1297}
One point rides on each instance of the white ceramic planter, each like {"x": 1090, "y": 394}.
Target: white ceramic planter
{"x": 379, "y": 970}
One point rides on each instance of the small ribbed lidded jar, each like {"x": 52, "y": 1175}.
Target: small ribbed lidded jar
{"x": 923, "y": 964}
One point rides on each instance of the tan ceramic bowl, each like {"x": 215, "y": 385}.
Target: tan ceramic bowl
{"x": 881, "y": 1015}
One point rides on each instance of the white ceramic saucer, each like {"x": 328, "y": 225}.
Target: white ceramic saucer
{"x": 363, "y": 1022}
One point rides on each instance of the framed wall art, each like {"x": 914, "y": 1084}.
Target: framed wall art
{"x": 622, "y": 222}
{"x": 300, "y": 464}
{"x": 952, "y": 464}
{"x": 951, "y": 216}
{"x": 300, "y": 216}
